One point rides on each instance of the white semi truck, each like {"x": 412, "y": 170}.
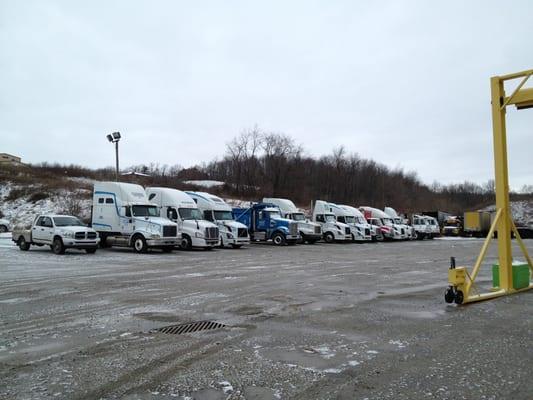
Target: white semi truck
{"x": 377, "y": 217}
{"x": 421, "y": 226}
{"x": 399, "y": 221}
{"x": 179, "y": 207}
{"x": 123, "y": 216}
{"x": 361, "y": 230}
{"x": 309, "y": 231}
{"x": 332, "y": 230}
{"x": 216, "y": 210}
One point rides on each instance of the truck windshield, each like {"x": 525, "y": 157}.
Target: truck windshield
{"x": 144, "y": 211}
{"x": 274, "y": 214}
{"x": 387, "y": 221}
{"x": 360, "y": 220}
{"x": 298, "y": 217}
{"x": 397, "y": 221}
{"x": 349, "y": 219}
{"x": 67, "y": 221}
{"x": 223, "y": 215}
{"x": 330, "y": 218}
{"x": 190, "y": 213}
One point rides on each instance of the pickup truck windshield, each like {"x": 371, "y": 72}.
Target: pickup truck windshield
{"x": 349, "y": 219}
{"x": 223, "y": 215}
{"x": 330, "y": 218}
{"x": 298, "y": 217}
{"x": 190, "y": 213}
{"x": 144, "y": 211}
{"x": 67, "y": 221}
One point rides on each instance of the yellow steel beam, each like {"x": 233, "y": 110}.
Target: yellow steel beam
{"x": 512, "y": 99}
{"x": 515, "y": 75}
{"x": 501, "y": 183}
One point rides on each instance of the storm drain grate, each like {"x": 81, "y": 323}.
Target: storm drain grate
{"x": 191, "y": 327}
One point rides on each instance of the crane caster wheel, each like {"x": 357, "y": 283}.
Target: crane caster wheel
{"x": 449, "y": 295}
{"x": 459, "y": 297}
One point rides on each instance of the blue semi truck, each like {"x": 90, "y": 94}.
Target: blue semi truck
{"x": 264, "y": 222}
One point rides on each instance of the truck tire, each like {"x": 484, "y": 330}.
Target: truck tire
{"x": 278, "y": 239}
{"x": 57, "y": 246}
{"x": 186, "y": 243}
{"x": 328, "y": 237}
{"x": 139, "y": 244}
{"x": 91, "y": 250}
{"x": 103, "y": 241}
{"x": 23, "y": 245}
{"x": 3, "y": 228}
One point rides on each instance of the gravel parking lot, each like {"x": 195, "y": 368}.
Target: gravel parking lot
{"x": 352, "y": 321}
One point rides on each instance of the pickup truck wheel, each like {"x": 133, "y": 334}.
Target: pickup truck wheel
{"x": 278, "y": 239}
{"x": 139, "y": 244}
{"x": 328, "y": 237}
{"x": 3, "y": 228}
{"x": 23, "y": 245}
{"x": 57, "y": 246}
{"x": 91, "y": 251}
{"x": 186, "y": 243}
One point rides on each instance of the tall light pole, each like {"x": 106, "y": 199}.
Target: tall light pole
{"x": 114, "y": 138}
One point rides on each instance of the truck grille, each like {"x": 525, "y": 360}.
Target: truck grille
{"x": 242, "y": 232}
{"x": 347, "y": 230}
{"x": 79, "y": 235}
{"x": 318, "y": 229}
{"x": 293, "y": 228}
{"x": 211, "y": 233}
{"x": 169, "y": 231}
{"x": 91, "y": 235}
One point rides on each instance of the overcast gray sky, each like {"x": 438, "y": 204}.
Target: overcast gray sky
{"x": 403, "y": 82}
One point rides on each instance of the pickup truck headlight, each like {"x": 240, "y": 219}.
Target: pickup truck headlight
{"x": 68, "y": 234}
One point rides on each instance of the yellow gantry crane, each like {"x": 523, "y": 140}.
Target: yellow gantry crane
{"x": 508, "y": 277}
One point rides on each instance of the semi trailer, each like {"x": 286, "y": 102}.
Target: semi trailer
{"x": 265, "y": 223}
{"x": 124, "y": 217}
{"x": 332, "y": 230}
{"x": 309, "y": 231}
{"x": 179, "y": 207}
{"x": 476, "y": 223}
{"x": 216, "y": 210}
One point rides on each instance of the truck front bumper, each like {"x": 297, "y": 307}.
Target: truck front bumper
{"x": 80, "y": 244}
{"x": 201, "y": 242}
{"x": 292, "y": 237}
{"x": 165, "y": 241}
{"x": 311, "y": 235}
{"x": 238, "y": 241}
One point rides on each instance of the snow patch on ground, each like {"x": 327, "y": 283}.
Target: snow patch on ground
{"x": 205, "y": 183}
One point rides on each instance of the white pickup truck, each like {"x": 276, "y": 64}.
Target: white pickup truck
{"x": 60, "y": 232}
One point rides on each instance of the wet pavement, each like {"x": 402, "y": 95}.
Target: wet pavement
{"x": 340, "y": 321}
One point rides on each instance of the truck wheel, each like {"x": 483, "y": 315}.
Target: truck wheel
{"x": 91, "y": 251}
{"x": 167, "y": 249}
{"x": 328, "y": 237}
{"x": 139, "y": 244}
{"x": 3, "y": 228}
{"x": 236, "y": 246}
{"x": 57, "y": 246}
{"x": 23, "y": 245}
{"x": 186, "y": 243}
{"x": 278, "y": 239}
{"x": 103, "y": 241}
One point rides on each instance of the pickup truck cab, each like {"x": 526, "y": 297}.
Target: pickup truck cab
{"x": 60, "y": 232}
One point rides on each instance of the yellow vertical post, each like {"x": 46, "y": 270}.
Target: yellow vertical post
{"x": 502, "y": 183}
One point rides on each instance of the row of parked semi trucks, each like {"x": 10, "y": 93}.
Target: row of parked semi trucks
{"x": 127, "y": 215}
